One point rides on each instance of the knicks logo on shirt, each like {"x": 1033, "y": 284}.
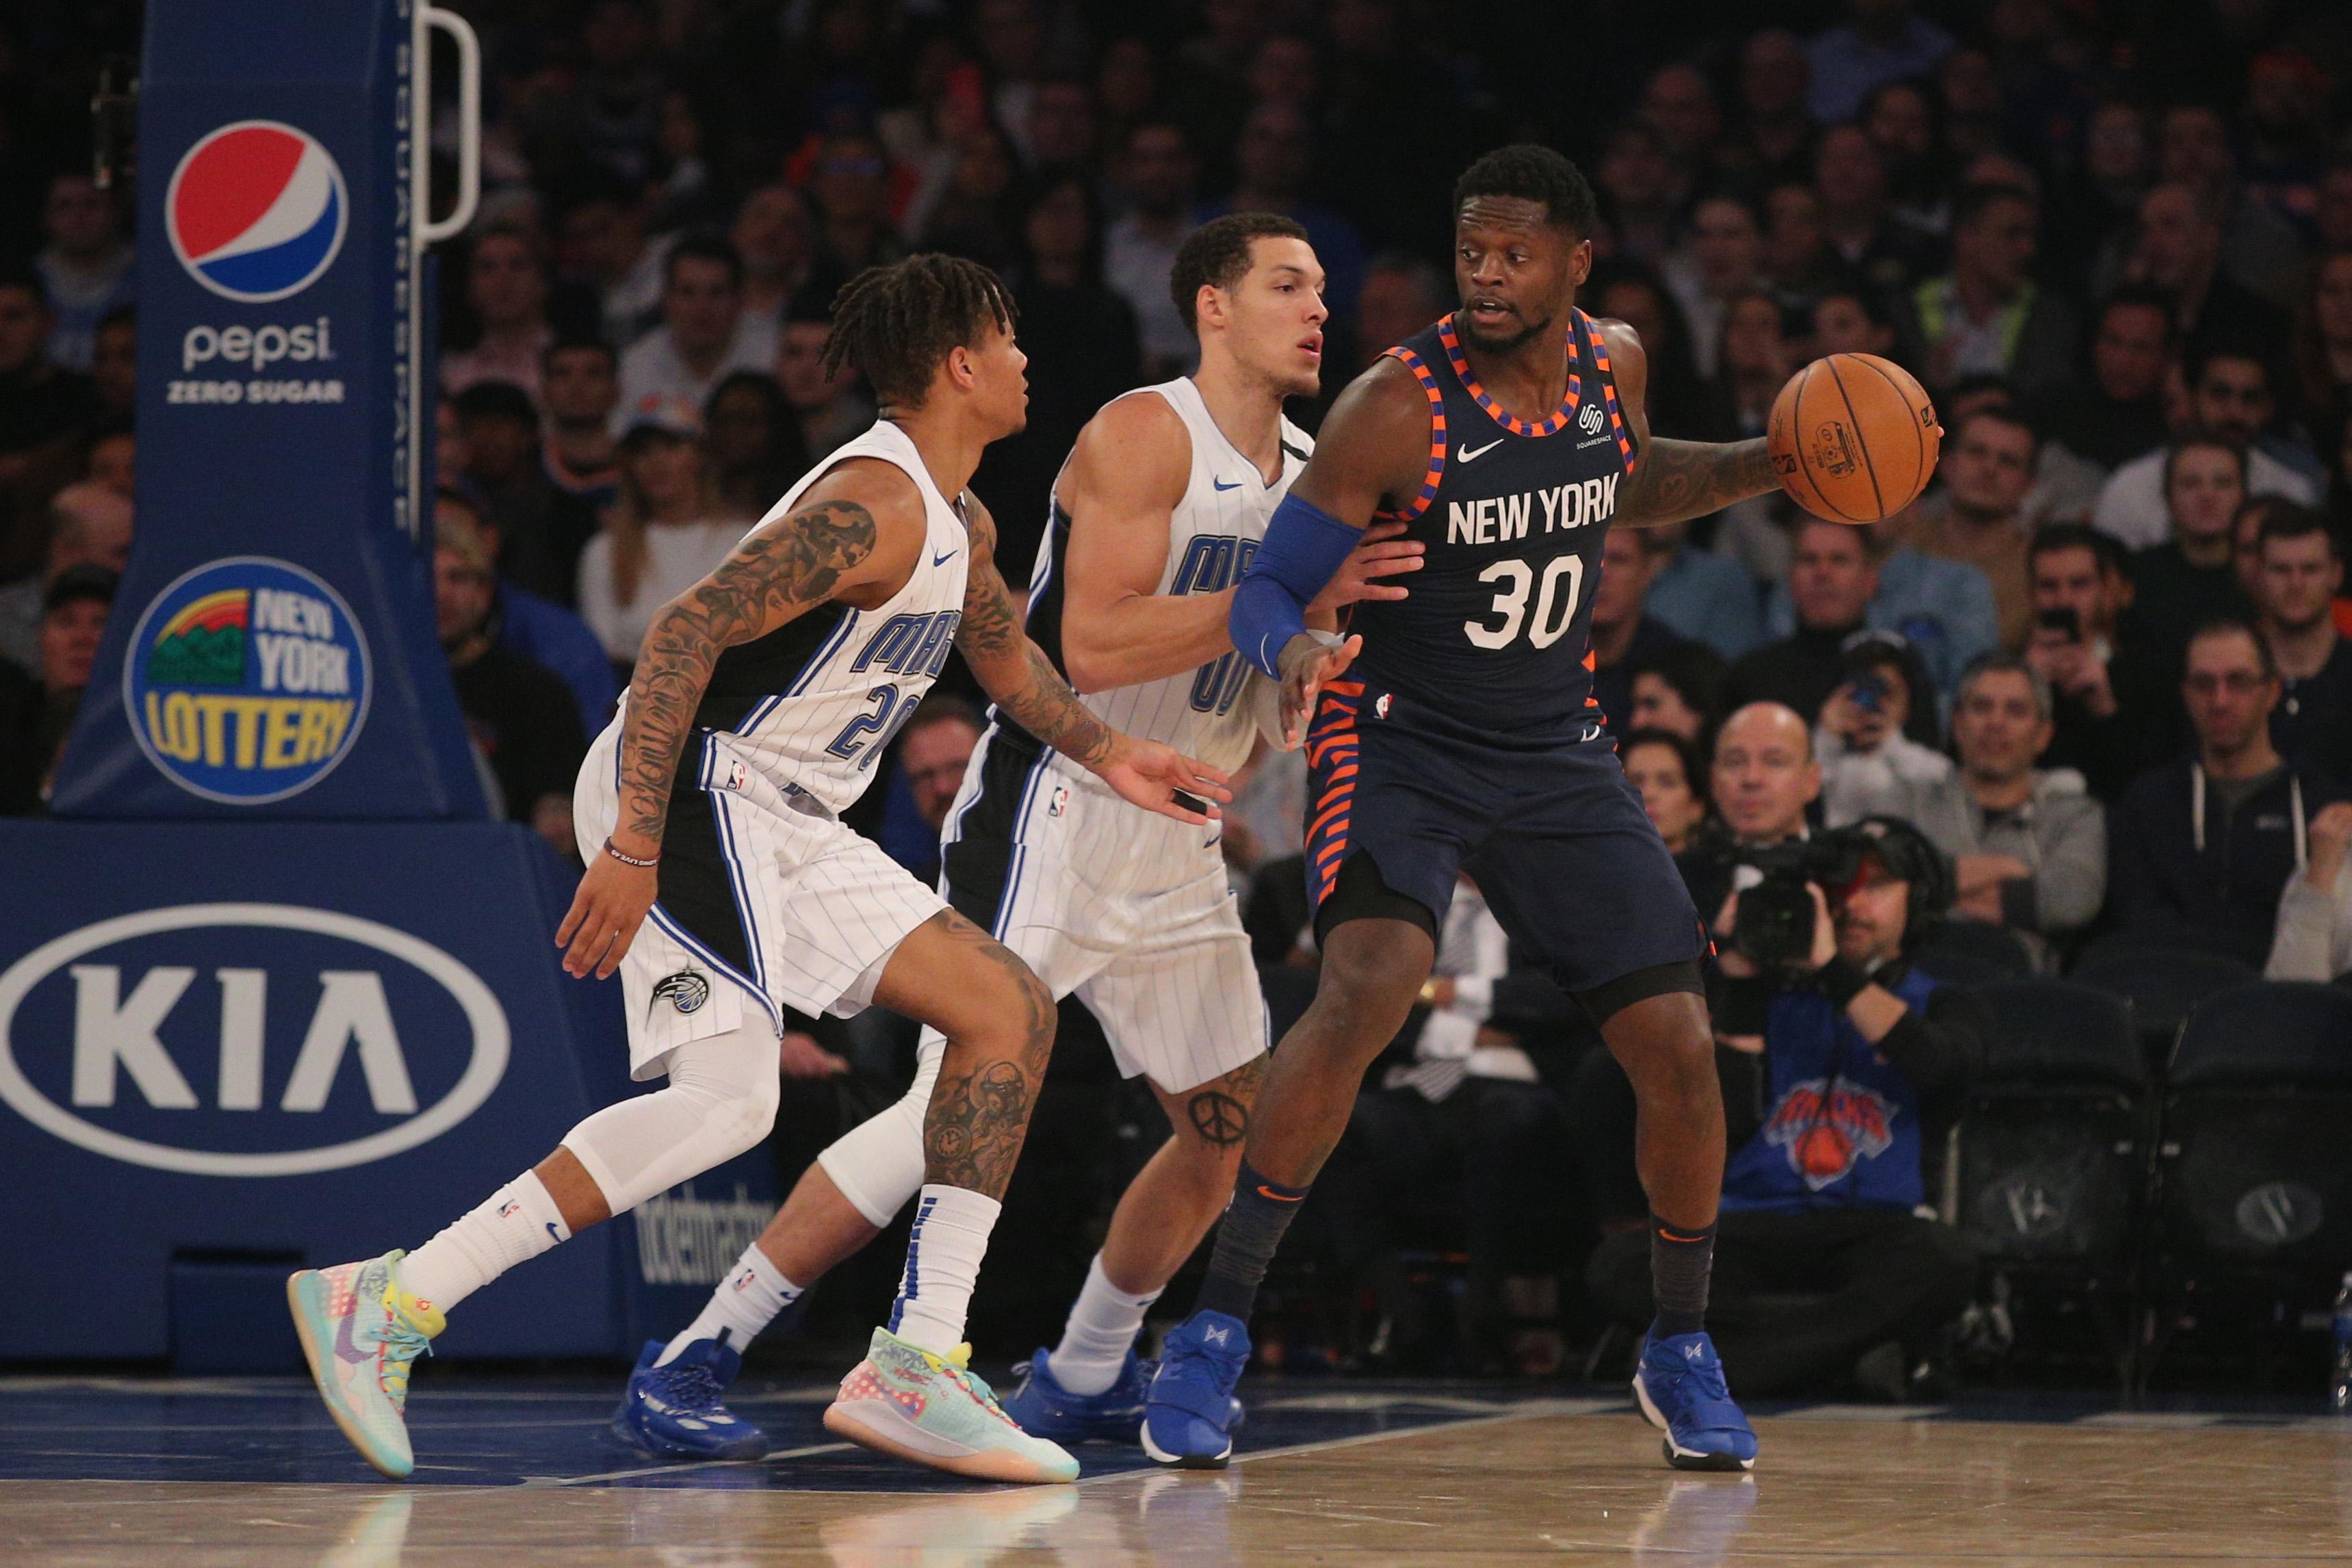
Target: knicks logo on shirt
{"x": 1828, "y": 1131}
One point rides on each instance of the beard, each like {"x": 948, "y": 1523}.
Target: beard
{"x": 1509, "y": 342}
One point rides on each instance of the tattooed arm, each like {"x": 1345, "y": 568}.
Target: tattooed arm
{"x": 1674, "y": 480}
{"x": 853, "y": 535}
{"x": 1025, "y": 686}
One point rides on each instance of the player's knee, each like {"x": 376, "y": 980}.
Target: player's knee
{"x": 1369, "y": 986}
{"x": 738, "y": 1123}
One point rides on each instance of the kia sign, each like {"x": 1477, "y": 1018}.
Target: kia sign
{"x": 159, "y": 1037}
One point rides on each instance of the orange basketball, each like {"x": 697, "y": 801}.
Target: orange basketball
{"x": 1853, "y": 438}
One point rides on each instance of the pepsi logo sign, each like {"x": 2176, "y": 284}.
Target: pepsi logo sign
{"x": 256, "y": 211}
{"x": 247, "y": 1039}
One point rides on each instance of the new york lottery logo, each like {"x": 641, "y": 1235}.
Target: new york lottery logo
{"x": 256, "y": 211}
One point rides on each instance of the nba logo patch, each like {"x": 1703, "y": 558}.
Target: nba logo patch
{"x": 1590, "y": 420}
{"x": 507, "y": 1211}
{"x": 1380, "y": 708}
{"x": 736, "y": 777}
{"x": 1058, "y": 803}
{"x": 256, "y": 211}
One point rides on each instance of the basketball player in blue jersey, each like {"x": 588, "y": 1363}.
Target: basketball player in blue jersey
{"x": 1454, "y": 732}
{"x": 723, "y": 886}
{"x": 1163, "y": 500}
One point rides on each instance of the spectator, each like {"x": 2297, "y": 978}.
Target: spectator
{"x": 852, "y": 200}
{"x": 1868, "y": 765}
{"x": 2098, "y": 202}
{"x": 85, "y": 267}
{"x": 1987, "y": 316}
{"x": 1763, "y": 779}
{"x": 2302, "y": 572}
{"x": 1665, "y": 766}
{"x": 1851, "y": 320}
{"x": 1679, "y": 104}
{"x": 703, "y": 334}
{"x": 1943, "y": 610}
{"x": 113, "y": 460}
{"x": 1273, "y": 157}
{"x": 2119, "y": 414}
{"x": 925, "y": 776}
{"x": 774, "y": 235}
{"x": 2113, "y": 713}
{"x": 519, "y": 714}
{"x": 2191, "y": 577}
{"x": 1679, "y": 690}
{"x": 39, "y": 713}
{"x": 1681, "y": 403}
{"x": 1977, "y": 517}
{"x": 830, "y": 409}
{"x": 665, "y": 534}
{"x": 2231, "y": 401}
{"x": 525, "y": 624}
{"x": 1062, "y": 129}
{"x": 1754, "y": 359}
{"x": 507, "y": 285}
{"x": 89, "y": 526}
{"x": 1621, "y": 633}
{"x": 582, "y": 381}
{"x": 2202, "y": 849}
{"x": 1884, "y": 42}
{"x": 1402, "y": 295}
{"x": 2322, "y": 342}
{"x": 601, "y": 242}
{"x": 543, "y": 527}
{"x": 1774, "y": 139}
{"x": 1797, "y": 256}
{"x": 975, "y": 211}
{"x": 44, "y": 409}
{"x": 1850, "y": 178}
{"x": 2029, "y": 846}
{"x": 1829, "y": 1069}
{"x": 2314, "y": 940}
{"x": 2178, "y": 250}
{"x": 2259, "y": 247}
{"x": 1900, "y": 119}
{"x": 1640, "y": 191}
{"x": 1699, "y": 595}
{"x": 1140, "y": 249}
{"x": 114, "y": 361}
{"x": 755, "y": 442}
{"x": 1723, "y": 260}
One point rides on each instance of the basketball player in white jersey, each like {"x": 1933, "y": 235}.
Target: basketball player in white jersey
{"x": 1156, "y": 513}
{"x": 761, "y": 697}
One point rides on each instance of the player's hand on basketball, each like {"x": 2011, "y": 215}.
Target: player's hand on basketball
{"x": 1383, "y": 553}
{"x": 605, "y": 912}
{"x": 1159, "y": 779}
{"x": 1308, "y": 660}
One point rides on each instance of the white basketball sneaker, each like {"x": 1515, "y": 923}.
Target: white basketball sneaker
{"x": 933, "y": 1410}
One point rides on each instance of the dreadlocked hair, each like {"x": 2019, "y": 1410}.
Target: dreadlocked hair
{"x": 895, "y": 325}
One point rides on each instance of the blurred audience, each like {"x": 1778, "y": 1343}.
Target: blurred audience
{"x": 664, "y": 533}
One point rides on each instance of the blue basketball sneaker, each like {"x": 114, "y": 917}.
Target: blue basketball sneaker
{"x": 674, "y": 1412}
{"x": 1189, "y": 1408}
{"x": 1679, "y": 1385}
{"x": 1044, "y": 1408}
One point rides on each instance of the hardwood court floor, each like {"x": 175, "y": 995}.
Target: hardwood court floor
{"x": 1453, "y": 1480}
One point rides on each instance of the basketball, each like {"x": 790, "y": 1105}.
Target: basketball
{"x": 1853, "y": 438}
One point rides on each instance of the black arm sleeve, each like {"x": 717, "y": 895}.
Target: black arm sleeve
{"x": 1943, "y": 1048}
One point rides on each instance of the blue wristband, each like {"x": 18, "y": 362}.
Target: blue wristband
{"x": 1303, "y": 549}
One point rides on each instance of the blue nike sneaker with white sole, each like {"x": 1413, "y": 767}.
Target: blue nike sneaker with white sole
{"x": 677, "y": 1411}
{"x": 1045, "y": 1408}
{"x": 1679, "y": 1385}
{"x": 1189, "y": 1408}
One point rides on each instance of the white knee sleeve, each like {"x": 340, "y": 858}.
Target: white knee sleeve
{"x": 878, "y": 1164}
{"x": 720, "y": 1101}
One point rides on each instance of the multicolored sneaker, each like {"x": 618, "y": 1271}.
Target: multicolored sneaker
{"x": 1679, "y": 1385}
{"x": 933, "y": 1410}
{"x": 674, "y": 1412}
{"x": 1189, "y": 1408}
{"x": 362, "y": 1333}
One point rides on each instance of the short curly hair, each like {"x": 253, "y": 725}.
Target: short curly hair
{"x": 1217, "y": 256}
{"x": 896, "y": 325}
{"x": 1533, "y": 174}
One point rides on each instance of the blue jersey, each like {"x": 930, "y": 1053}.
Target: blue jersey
{"x": 1497, "y": 631}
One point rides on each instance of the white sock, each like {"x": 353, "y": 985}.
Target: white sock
{"x": 943, "y": 1254}
{"x": 1103, "y": 1321}
{"x": 746, "y": 1301}
{"x": 518, "y": 1223}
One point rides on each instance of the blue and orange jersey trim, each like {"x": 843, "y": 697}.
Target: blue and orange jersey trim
{"x": 1608, "y": 389}
{"x": 1333, "y": 749}
{"x": 1495, "y": 411}
{"x": 1436, "y": 395}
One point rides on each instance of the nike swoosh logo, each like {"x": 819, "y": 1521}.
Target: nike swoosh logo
{"x": 345, "y": 1349}
{"x": 1221, "y": 484}
{"x": 1465, "y": 452}
{"x": 943, "y": 559}
{"x": 1264, "y": 1191}
{"x": 550, "y": 1231}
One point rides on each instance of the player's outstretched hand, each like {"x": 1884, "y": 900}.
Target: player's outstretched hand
{"x": 604, "y": 917}
{"x": 1308, "y": 660}
{"x": 1156, "y": 778}
{"x": 1383, "y": 553}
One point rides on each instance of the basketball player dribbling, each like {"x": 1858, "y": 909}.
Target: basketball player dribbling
{"x": 1157, "y": 511}
{"x": 723, "y": 887}
{"x": 1455, "y": 732}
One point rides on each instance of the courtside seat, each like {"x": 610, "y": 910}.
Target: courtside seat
{"x": 1973, "y": 953}
{"x": 2162, "y": 984}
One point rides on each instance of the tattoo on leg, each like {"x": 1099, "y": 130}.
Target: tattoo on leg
{"x": 1218, "y": 1118}
{"x": 973, "y": 1130}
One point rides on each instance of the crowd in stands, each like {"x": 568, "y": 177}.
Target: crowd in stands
{"x": 2099, "y": 670}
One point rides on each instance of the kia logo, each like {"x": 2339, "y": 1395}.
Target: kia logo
{"x": 119, "y": 1053}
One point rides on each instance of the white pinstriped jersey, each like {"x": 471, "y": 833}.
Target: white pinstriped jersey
{"x": 1213, "y": 533}
{"x": 820, "y": 699}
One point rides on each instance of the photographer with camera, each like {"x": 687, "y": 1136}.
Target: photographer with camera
{"x": 1832, "y": 1050}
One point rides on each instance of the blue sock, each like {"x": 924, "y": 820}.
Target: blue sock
{"x": 1261, "y": 1210}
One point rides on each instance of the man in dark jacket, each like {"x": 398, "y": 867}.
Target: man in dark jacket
{"x": 2199, "y": 848}
{"x": 1829, "y": 1064}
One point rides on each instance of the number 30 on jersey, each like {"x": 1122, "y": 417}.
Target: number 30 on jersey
{"x": 1563, "y": 581}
